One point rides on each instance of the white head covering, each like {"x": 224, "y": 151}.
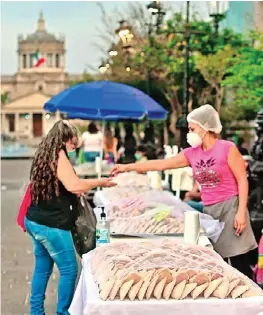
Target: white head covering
{"x": 206, "y": 117}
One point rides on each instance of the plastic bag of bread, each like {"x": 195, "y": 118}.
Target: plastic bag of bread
{"x": 158, "y": 221}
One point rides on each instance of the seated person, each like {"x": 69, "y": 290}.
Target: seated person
{"x": 110, "y": 147}
{"x": 193, "y": 198}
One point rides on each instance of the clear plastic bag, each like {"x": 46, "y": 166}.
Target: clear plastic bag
{"x": 157, "y": 221}
{"x": 134, "y": 211}
{"x": 165, "y": 269}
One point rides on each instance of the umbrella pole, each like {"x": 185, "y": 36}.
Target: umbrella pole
{"x": 101, "y": 151}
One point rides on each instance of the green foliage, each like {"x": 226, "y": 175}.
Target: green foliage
{"x": 225, "y": 69}
{"x": 245, "y": 81}
{"x": 4, "y": 98}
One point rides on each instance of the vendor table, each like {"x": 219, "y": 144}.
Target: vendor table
{"x": 87, "y": 301}
{"x": 88, "y": 170}
{"x": 203, "y": 239}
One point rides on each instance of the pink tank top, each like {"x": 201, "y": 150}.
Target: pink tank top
{"x": 211, "y": 171}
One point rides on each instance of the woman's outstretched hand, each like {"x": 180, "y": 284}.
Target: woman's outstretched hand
{"x": 117, "y": 169}
{"x": 107, "y": 182}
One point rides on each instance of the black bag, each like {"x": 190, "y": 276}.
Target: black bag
{"x": 84, "y": 230}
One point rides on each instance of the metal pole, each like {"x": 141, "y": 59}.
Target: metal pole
{"x": 183, "y": 121}
{"x": 186, "y": 69}
{"x": 148, "y": 71}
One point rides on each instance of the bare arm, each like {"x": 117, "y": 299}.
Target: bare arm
{"x": 238, "y": 168}
{"x": 153, "y": 165}
{"x": 72, "y": 182}
{"x": 115, "y": 153}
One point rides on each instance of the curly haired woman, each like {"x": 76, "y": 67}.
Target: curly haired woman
{"x": 50, "y": 217}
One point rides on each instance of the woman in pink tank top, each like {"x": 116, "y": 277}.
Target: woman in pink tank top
{"x": 220, "y": 170}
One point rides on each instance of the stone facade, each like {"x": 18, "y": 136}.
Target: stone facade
{"x": 258, "y": 6}
{"x": 30, "y": 87}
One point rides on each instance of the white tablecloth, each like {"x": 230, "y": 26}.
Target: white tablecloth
{"x": 86, "y": 301}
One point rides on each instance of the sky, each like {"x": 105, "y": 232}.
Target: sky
{"x": 78, "y": 21}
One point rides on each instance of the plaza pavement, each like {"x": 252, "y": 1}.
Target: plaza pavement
{"x": 17, "y": 259}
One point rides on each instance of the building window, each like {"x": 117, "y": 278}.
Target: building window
{"x": 49, "y": 60}
{"x": 57, "y": 61}
{"x": 11, "y": 122}
{"x": 40, "y": 88}
{"x": 32, "y": 57}
{"x": 24, "y": 61}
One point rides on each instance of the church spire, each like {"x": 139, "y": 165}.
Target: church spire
{"x": 41, "y": 22}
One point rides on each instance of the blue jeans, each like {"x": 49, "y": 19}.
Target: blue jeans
{"x": 52, "y": 245}
{"x": 197, "y": 205}
{"x": 91, "y": 156}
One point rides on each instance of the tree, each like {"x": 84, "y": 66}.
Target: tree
{"x": 213, "y": 67}
{"x": 4, "y": 98}
{"x": 245, "y": 81}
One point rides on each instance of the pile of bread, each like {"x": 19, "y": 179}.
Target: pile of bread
{"x": 164, "y": 269}
{"x": 156, "y": 221}
{"x": 127, "y": 208}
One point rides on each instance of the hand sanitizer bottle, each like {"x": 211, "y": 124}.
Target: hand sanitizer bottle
{"x": 102, "y": 230}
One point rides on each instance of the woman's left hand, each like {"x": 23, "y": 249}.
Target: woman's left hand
{"x": 240, "y": 222}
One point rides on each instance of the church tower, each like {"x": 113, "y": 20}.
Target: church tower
{"x": 52, "y": 49}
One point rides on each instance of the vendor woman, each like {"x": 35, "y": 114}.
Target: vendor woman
{"x": 220, "y": 170}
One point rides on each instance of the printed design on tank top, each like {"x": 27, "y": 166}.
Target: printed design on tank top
{"x": 205, "y": 175}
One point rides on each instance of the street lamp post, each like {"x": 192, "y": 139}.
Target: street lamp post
{"x": 103, "y": 68}
{"x": 155, "y": 10}
{"x": 182, "y": 124}
{"x": 126, "y": 35}
{"x": 113, "y": 51}
{"x": 217, "y": 11}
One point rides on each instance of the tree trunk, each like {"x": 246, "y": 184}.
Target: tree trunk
{"x": 219, "y": 97}
{"x": 165, "y": 133}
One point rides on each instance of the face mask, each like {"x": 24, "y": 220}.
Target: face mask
{"x": 194, "y": 139}
{"x": 138, "y": 156}
{"x": 71, "y": 154}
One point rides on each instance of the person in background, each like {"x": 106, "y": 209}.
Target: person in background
{"x": 117, "y": 134}
{"x": 140, "y": 154}
{"x": 110, "y": 147}
{"x": 129, "y": 145}
{"x": 92, "y": 142}
{"x": 220, "y": 170}
{"x": 193, "y": 198}
{"x": 149, "y": 136}
{"x": 54, "y": 188}
{"x": 241, "y": 147}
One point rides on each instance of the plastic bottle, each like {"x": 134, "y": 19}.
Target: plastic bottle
{"x": 102, "y": 230}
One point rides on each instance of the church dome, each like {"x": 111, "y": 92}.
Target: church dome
{"x": 41, "y": 35}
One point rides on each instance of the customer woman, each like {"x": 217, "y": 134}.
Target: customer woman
{"x": 110, "y": 146}
{"x": 220, "y": 170}
{"x": 92, "y": 141}
{"x": 51, "y": 215}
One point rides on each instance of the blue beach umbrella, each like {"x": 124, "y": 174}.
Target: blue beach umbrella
{"x": 105, "y": 100}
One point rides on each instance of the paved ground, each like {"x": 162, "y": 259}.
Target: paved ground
{"x": 17, "y": 257}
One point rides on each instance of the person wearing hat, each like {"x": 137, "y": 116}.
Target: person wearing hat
{"x": 220, "y": 170}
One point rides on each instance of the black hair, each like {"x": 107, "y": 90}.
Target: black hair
{"x": 142, "y": 148}
{"x": 92, "y": 128}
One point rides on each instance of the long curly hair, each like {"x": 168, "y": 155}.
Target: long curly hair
{"x": 43, "y": 174}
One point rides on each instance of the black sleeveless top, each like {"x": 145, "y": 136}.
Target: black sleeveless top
{"x": 59, "y": 212}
